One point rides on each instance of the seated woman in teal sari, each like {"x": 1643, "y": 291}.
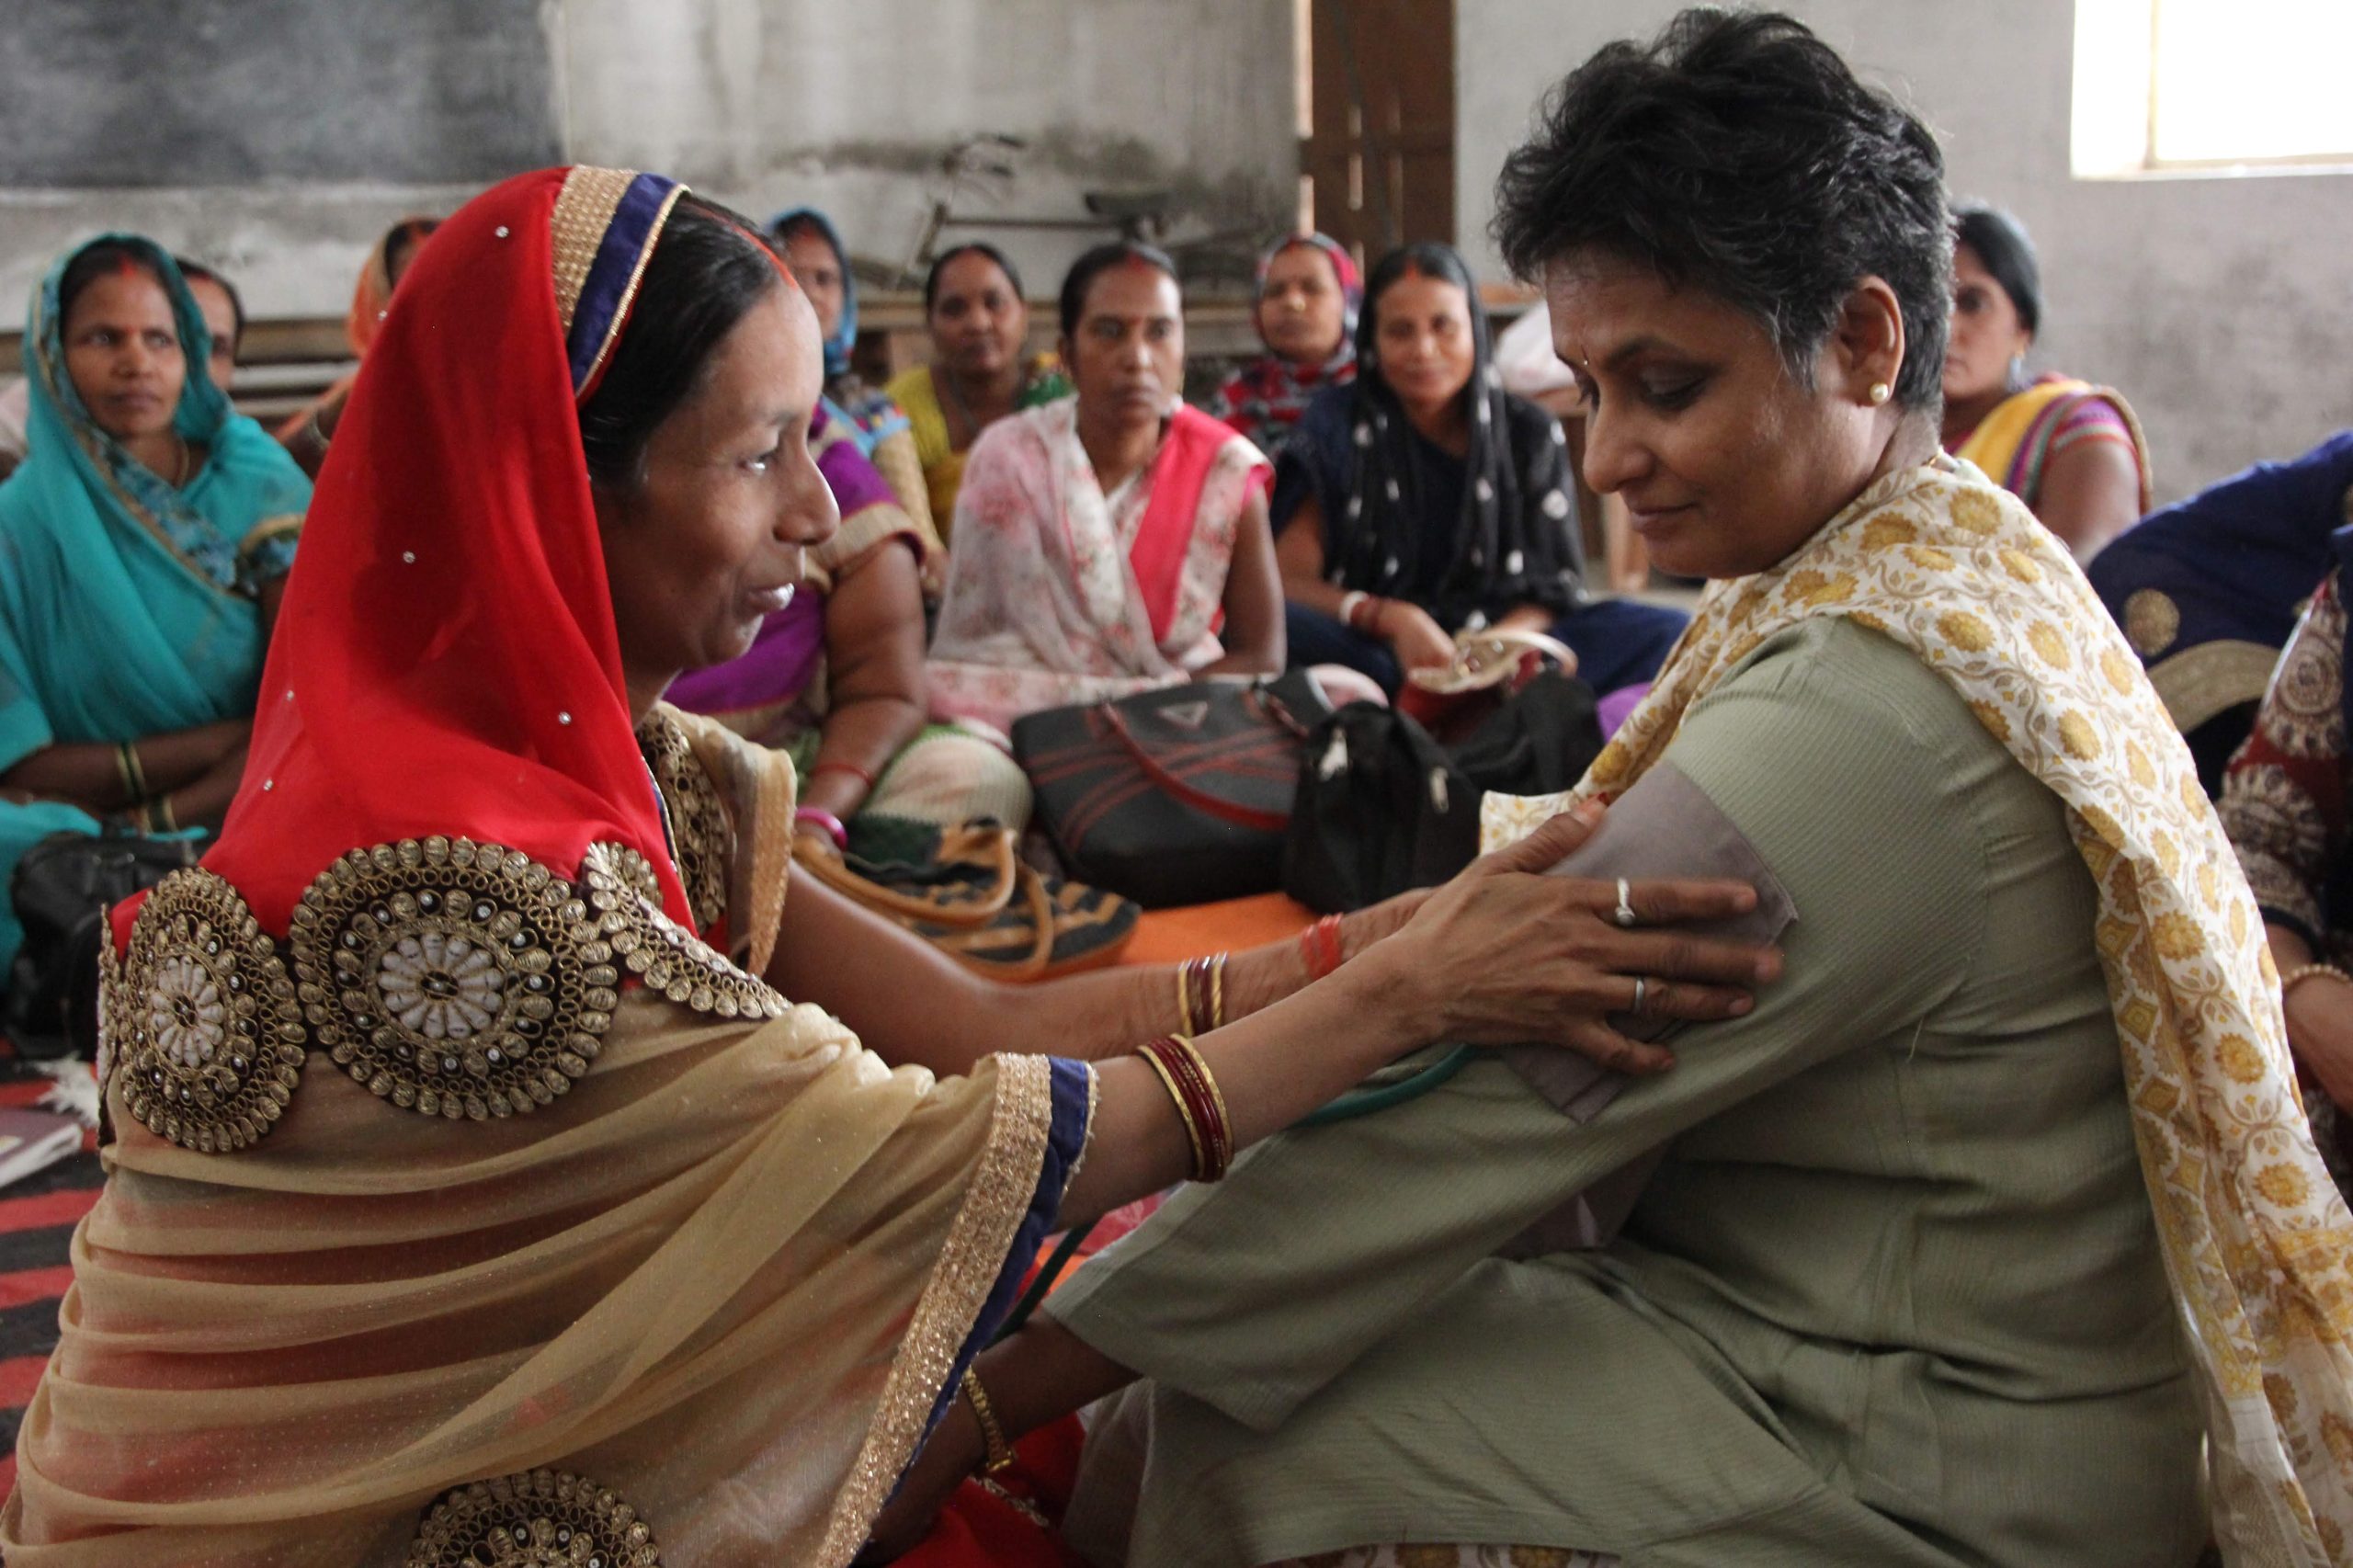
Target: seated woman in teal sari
{"x": 143, "y": 545}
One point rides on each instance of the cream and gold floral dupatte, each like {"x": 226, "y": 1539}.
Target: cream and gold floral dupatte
{"x": 2258, "y": 1244}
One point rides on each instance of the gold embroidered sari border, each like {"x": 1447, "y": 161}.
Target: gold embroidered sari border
{"x": 978, "y": 1241}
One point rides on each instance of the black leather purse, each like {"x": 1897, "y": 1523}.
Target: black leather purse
{"x": 1385, "y": 807}
{"x": 1176, "y": 796}
{"x": 63, "y": 888}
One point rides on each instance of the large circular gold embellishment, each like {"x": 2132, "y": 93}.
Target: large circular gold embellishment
{"x": 673, "y": 963}
{"x": 201, "y": 1024}
{"x": 454, "y": 978}
{"x": 540, "y": 1518}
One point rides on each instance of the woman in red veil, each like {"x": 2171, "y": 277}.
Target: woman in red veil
{"x": 475, "y": 1193}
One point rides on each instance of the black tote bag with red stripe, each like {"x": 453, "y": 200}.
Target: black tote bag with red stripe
{"x": 1176, "y": 796}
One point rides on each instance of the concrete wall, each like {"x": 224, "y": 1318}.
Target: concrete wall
{"x": 762, "y": 103}
{"x": 2220, "y": 306}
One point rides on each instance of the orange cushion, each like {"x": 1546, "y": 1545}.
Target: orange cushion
{"x": 1171, "y": 936}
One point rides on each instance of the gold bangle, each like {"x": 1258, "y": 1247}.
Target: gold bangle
{"x": 134, "y": 778}
{"x": 1184, "y": 1112}
{"x": 1184, "y": 994}
{"x": 1217, "y": 993}
{"x": 1217, "y": 1096}
{"x": 163, "y": 813}
{"x": 1000, "y": 1452}
{"x": 2306, "y": 972}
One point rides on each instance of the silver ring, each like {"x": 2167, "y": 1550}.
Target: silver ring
{"x": 1642, "y": 995}
{"x": 1625, "y": 914}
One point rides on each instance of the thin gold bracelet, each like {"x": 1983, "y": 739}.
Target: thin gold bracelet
{"x": 134, "y": 778}
{"x": 1184, "y": 994}
{"x": 1217, "y": 992}
{"x": 163, "y": 813}
{"x": 1000, "y": 1452}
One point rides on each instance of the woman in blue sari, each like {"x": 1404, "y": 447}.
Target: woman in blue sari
{"x": 143, "y": 544}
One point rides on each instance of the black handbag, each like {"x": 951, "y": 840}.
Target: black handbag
{"x": 1382, "y": 807}
{"x": 63, "y": 888}
{"x": 1176, "y": 796}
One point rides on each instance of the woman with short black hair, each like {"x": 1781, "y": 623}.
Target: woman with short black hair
{"x": 1952, "y": 1249}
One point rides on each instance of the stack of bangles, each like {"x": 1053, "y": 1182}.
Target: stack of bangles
{"x": 1319, "y": 948}
{"x": 1200, "y": 1105}
{"x": 1360, "y": 611}
{"x": 147, "y": 812}
{"x": 1201, "y": 995}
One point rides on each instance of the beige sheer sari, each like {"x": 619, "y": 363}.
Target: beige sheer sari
{"x": 723, "y": 1278}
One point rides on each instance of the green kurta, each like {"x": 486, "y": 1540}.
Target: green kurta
{"x": 1893, "y": 1296}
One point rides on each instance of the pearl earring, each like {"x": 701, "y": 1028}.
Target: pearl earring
{"x": 1880, "y": 392}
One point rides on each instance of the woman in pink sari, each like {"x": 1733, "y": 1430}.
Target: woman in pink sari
{"x": 1111, "y": 542}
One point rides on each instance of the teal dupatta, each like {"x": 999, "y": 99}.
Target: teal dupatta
{"x": 129, "y": 608}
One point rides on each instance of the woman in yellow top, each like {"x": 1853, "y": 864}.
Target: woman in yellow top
{"x": 2072, "y": 451}
{"x": 978, "y": 320}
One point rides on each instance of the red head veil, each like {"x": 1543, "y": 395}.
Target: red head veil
{"x": 446, "y": 663}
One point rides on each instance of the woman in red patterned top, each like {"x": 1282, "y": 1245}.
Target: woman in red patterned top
{"x": 2283, "y": 804}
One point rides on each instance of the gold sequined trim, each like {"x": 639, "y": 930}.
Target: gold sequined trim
{"x": 584, "y": 211}
{"x": 978, "y": 1240}
{"x": 2200, "y": 682}
{"x": 201, "y": 1027}
{"x": 2151, "y": 620}
{"x": 673, "y": 961}
{"x": 698, "y": 822}
{"x": 452, "y": 978}
{"x": 539, "y": 1518}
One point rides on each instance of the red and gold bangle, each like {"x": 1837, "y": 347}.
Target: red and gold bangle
{"x": 1200, "y": 1103}
{"x": 1207, "y": 1106}
{"x": 1201, "y": 995}
{"x": 1167, "y": 1075}
{"x": 829, "y": 766}
{"x": 1319, "y": 947}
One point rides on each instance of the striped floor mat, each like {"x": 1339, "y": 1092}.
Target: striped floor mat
{"x": 37, "y": 1220}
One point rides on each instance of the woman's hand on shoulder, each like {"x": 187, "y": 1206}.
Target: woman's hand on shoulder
{"x": 1504, "y": 955}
